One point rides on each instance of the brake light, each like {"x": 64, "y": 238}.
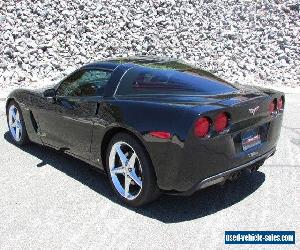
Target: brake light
{"x": 221, "y": 122}
{"x": 160, "y": 134}
{"x": 202, "y": 126}
{"x": 272, "y": 106}
{"x": 280, "y": 103}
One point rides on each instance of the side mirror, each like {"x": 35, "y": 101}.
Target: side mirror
{"x": 50, "y": 95}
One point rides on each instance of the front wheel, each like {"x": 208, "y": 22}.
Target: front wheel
{"x": 130, "y": 171}
{"x": 16, "y": 124}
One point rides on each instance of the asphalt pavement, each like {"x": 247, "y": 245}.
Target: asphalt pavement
{"x": 51, "y": 200}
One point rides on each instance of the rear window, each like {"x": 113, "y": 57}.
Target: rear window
{"x": 143, "y": 81}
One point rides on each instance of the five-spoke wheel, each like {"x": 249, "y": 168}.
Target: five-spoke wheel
{"x": 130, "y": 170}
{"x": 125, "y": 170}
{"x": 16, "y": 124}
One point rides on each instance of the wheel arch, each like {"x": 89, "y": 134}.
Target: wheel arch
{"x": 111, "y": 133}
{"x": 9, "y": 99}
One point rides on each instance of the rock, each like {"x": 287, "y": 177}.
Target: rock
{"x": 234, "y": 39}
{"x": 3, "y": 65}
{"x": 137, "y": 23}
{"x": 286, "y": 10}
{"x": 2, "y": 19}
{"x": 189, "y": 11}
{"x": 230, "y": 34}
{"x": 160, "y": 19}
{"x": 283, "y": 56}
{"x": 295, "y": 6}
{"x": 42, "y": 13}
{"x": 280, "y": 63}
{"x": 171, "y": 2}
{"x": 20, "y": 49}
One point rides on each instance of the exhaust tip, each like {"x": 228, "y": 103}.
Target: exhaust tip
{"x": 235, "y": 176}
{"x": 253, "y": 169}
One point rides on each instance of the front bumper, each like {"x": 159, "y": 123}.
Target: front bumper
{"x": 220, "y": 177}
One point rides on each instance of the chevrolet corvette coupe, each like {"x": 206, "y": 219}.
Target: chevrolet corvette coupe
{"x": 152, "y": 125}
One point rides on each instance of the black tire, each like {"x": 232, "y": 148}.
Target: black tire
{"x": 149, "y": 191}
{"x": 24, "y": 136}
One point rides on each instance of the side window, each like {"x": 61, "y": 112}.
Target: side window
{"x": 84, "y": 83}
{"x": 144, "y": 81}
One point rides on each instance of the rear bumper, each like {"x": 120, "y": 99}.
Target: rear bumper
{"x": 222, "y": 176}
{"x": 181, "y": 165}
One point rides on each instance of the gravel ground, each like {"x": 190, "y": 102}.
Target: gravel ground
{"x": 52, "y": 201}
{"x": 254, "y": 42}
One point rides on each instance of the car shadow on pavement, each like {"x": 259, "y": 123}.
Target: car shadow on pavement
{"x": 168, "y": 209}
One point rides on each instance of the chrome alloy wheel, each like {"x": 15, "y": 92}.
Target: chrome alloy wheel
{"x": 14, "y": 123}
{"x": 125, "y": 170}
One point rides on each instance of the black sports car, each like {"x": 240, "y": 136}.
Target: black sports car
{"x": 153, "y": 125}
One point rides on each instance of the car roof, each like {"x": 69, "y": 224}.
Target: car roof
{"x": 150, "y": 61}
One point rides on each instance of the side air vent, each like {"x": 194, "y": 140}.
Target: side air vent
{"x": 33, "y": 121}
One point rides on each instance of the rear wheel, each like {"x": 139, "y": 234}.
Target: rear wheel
{"x": 16, "y": 124}
{"x": 130, "y": 171}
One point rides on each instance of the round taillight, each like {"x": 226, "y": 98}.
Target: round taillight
{"x": 272, "y": 106}
{"x": 202, "y": 126}
{"x": 280, "y": 103}
{"x": 221, "y": 122}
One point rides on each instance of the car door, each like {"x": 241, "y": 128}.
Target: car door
{"x": 67, "y": 123}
